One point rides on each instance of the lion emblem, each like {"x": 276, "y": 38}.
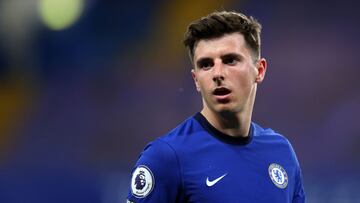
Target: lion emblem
{"x": 140, "y": 180}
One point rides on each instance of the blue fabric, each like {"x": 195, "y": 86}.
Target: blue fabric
{"x": 197, "y": 163}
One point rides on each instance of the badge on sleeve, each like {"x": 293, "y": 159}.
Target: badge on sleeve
{"x": 278, "y": 175}
{"x": 142, "y": 182}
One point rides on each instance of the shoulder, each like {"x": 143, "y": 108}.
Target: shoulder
{"x": 164, "y": 148}
{"x": 159, "y": 163}
{"x": 181, "y": 133}
{"x": 269, "y": 134}
{"x": 273, "y": 139}
{"x": 156, "y": 152}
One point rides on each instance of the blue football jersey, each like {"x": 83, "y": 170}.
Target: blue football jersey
{"x": 197, "y": 163}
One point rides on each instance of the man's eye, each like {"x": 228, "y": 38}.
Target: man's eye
{"x": 230, "y": 61}
{"x": 205, "y": 64}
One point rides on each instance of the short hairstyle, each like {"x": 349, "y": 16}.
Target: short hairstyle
{"x": 219, "y": 23}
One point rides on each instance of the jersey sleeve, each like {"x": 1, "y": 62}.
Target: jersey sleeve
{"x": 156, "y": 175}
{"x": 299, "y": 195}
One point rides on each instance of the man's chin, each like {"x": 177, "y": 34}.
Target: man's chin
{"x": 225, "y": 109}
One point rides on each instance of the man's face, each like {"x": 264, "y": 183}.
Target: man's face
{"x": 226, "y": 73}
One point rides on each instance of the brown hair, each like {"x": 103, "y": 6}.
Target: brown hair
{"x": 220, "y": 23}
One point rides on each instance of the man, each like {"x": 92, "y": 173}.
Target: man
{"x": 219, "y": 155}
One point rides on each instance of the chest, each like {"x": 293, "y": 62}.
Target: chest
{"x": 222, "y": 173}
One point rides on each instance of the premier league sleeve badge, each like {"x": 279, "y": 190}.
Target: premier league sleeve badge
{"x": 142, "y": 181}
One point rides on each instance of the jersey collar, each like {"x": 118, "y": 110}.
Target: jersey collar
{"x": 222, "y": 136}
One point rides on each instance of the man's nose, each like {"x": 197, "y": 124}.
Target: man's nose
{"x": 218, "y": 74}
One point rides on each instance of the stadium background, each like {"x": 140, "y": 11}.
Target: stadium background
{"x": 85, "y": 84}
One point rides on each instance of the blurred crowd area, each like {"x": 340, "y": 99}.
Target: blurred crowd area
{"x": 85, "y": 84}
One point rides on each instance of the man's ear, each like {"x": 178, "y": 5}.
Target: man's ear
{"x": 193, "y": 74}
{"x": 261, "y": 70}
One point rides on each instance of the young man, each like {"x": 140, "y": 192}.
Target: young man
{"x": 219, "y": 155}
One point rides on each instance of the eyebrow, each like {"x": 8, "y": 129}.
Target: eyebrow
{"x": 232, "y": 55}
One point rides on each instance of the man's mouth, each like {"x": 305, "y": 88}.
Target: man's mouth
{"x": 221, "y": 91}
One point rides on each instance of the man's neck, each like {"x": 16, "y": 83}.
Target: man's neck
{"x": 233, "y": 124}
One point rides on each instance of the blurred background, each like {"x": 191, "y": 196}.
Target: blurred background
{"x": 85, "y": 84}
